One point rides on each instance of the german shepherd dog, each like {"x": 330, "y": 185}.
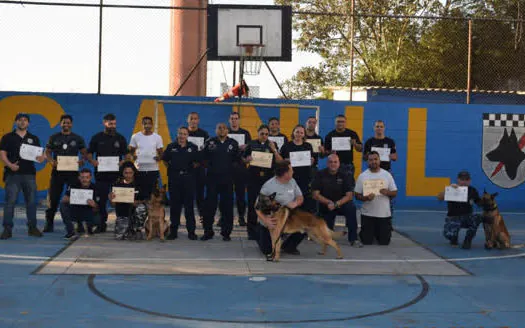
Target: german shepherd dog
{"x": 291, "y": 221}
{"x": 156, "y": 223}
{"x": 496, "y": 233}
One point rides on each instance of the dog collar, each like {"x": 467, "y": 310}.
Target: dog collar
{"x": 491, "y": 209}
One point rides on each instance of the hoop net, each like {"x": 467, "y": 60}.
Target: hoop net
{"x": 251, "y": 56}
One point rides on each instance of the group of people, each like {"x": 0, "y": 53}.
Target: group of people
{"x": 211, "y": 171}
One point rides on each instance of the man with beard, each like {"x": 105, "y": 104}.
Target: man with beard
{"x": 109, "y": 146}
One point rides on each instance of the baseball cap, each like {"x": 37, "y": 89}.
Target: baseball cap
{"x": 464, "y": 175}
{"x": 20, "y": 115}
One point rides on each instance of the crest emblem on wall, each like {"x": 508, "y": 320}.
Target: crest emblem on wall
{"x": 503, "y": 156}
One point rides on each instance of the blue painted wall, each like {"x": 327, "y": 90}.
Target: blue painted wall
{"x": 453, "y": 131}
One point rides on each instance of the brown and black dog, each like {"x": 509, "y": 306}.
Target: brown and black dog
{"x": 156, "y": 224}
{"x": 291, "y": 221}
{"x": 496, "y": 233}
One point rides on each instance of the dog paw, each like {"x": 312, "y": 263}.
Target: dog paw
{"x": 339, "y": 257}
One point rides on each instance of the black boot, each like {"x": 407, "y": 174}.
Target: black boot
{"x": 7, "y": 233}
{"x": 467, "y": 243}
{"x": 49, "y": 226}
{"x": 242, "y": 222}
{"x": 33, "y": 232}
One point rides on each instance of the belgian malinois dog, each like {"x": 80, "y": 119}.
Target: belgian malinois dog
{"x": 496, "y": 233}
{"x": 296, "y": 220}
{"x": 156, "y": 223}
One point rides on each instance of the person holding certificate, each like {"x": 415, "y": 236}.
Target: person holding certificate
{"x": 460, "y": 210}
{"x": 385, "y": 146}
{"x": 125, "y": 199}
{"x": 181, "y": 158}
{"x": 220, "y": 154}
{"x": 19, "y": 150}
{"x": 275, "y": 132}
{"x": 110, "y": 147}
{"x": 198, "y": 136}
{"x": 240, "y": 178}
{"x": 375, "y": 187}
{"x": 343, "y": 141}
{"x": 146, "y": 148}
{"x": 334, "y": 190}
{"x": 316, "y": 141}
{"x": 300, "y": 154}
{"x": 62, "y": 151}
{"x": 259, "y": 172}
{"x": 79, "y": 204}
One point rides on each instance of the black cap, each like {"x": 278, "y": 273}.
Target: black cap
{"x": 464, "y": 175}
{"x": 20, "y": 115}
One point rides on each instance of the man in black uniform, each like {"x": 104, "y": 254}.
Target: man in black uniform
{"x": 62, "y": 144}
{"x": 19, "y": 174}
{"x": 109, "y": 145}
{"x": 182, "y": 158}
{"x": 334, "y": 190}
{"x": 311, "y": 125}
{"x": 381, "y": 143}
{"x": 275, "y": 132}
{"x": 198, "y": 136}
{"x": 346, "y": 156}
{"x": 241, "y": 172}
{"x": 76, "y": 212}
{"x": 257, "y": 176}
{"x": 220, "y": 154}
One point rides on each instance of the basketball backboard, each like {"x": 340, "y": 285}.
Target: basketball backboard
{"x": 230, "y": 26}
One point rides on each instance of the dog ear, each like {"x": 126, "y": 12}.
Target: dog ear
{"x": 272, "y": 196}
{"x": 494, "y": 195}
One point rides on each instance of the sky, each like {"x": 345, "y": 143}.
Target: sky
{"x": 55, "y": 49}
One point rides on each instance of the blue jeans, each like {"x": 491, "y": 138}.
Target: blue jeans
{"x": 74, "y": 213}
{"x": 348, "y": 210}
{"x": 13, "y": 184}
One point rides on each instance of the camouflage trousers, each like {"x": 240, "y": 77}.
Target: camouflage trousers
{"x": 454, "y": 223}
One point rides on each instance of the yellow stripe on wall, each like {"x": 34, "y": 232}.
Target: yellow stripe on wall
{"x": 354, "y": 121}
{"x": 417, "y": 184}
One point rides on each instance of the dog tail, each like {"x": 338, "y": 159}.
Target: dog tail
{"x": 518, "y": 246}
{"x": 338, "y": 234}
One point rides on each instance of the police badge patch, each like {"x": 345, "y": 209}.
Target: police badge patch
{"x": 503, "y": 156}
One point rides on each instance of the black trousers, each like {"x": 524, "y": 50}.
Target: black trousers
{"x": 240, "y": 181}
{"x": 265, "y": 240}
{"x": 59, "y": 180}
{"x": 182, "y": 193}
{"x": 254, "y": 187}
{"x": 146, "y": 181}
{"x": 200, "y": 184}
{"x": 102, "y": 189}
{"x": 379, "y": 229}
{"x": 222, "y": 189}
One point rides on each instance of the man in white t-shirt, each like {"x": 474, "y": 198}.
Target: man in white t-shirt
{"x": 375, "y": 187}
{"x": 146, "y": 148}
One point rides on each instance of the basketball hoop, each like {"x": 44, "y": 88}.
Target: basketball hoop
{"x": 250, "y": 57}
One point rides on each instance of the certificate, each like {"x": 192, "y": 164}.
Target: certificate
{"x": 107, "y": 163}
{"x": 384, "y": 153}
{"x": 373, "y": 186}
{"x": 80, "y": 196}
{"x": 261, "y": 159}
{"x": 300, "y": 158}
{"x": 316, "y": 143}
{"x": 124, "y": 195}
{"x": 146, "y": 156}
{"x": 67, "y": 163}
{"x": 278, "y": 140}
{"x": 341, "y": 143}
{"x": 459, "y": 194}
{"x": 198, "y": 141}
{"x": 30, "y": 153}
{"x": 238, "y": 137}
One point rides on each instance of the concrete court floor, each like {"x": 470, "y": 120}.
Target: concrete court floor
{"x": 417, "y": 281}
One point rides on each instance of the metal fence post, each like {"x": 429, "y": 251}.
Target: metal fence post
{"x": 469, "y": 68}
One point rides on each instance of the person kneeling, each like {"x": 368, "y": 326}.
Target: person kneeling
{"x": 376, "y": 217}
{"x": 79, "y": 212}
{"x": 287, "y": 193}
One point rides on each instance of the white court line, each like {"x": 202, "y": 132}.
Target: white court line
{"x": 143, "y": 260}
{"x": 444, "y": 212}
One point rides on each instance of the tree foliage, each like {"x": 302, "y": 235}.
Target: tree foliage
{"x": 392, "y": 49}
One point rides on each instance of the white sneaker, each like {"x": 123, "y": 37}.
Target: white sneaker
{"x": 357, "y": 244}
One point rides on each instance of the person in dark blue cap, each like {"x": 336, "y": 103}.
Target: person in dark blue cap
{"x": 20, "y": 173}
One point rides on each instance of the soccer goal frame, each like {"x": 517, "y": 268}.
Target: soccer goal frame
{"x": 239, "y": 105}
